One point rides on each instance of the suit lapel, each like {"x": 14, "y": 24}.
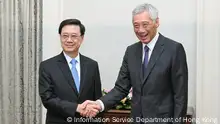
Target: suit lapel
{"x": 83, "y": 71}
{"x": 138, "y": 55}
{"x": 62, "y": 63}
{"x": 157, "y": 51}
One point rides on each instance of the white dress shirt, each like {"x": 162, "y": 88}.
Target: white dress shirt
{"x": 150, "y": 45}
{"x": 69, "y": 59}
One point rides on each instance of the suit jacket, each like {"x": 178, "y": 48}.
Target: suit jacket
{"x": 163, "y": 91}
{"x": 58, "y": 91}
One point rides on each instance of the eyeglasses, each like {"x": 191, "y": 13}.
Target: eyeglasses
{"x": 72, "y": 37}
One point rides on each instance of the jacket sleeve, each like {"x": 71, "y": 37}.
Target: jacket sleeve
{"x": 179, "y": 74}
{"x": 97, "y": 81}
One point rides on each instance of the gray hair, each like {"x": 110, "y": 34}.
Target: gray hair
{"x": 148, "y": 8}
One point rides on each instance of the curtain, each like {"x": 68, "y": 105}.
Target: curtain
{"x": 20, "y": 55}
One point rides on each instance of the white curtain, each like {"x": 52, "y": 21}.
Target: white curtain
{"x": 20, "y": 54}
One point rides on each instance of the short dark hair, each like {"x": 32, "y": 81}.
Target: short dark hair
{"x": 72, "y": 22}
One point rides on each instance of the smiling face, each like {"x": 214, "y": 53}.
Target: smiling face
{"x": 144, "y": 27}
{"x": 71, "y": 38}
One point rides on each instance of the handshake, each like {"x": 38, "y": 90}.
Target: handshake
{"x": 89, "y": 108}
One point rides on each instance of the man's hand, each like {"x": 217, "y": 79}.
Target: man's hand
{"x": 89, "y": 108}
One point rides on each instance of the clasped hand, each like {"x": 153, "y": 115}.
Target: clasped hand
{"x": 89, "y": 108}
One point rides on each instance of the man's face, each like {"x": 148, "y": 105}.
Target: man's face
{"x": 71, "y": 38}
{"x": 144, "y": 27}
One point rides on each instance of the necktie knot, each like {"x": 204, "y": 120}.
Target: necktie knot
{"x": 146, "y": 48}
{"x": 73, "y": 61}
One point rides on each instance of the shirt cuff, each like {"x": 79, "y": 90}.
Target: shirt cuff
{"x": 101, "y": 104}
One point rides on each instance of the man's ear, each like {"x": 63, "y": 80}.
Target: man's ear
{"x": 82, "y": 39}
{"x": 60, "y": 37}
{"x": 157, "y": 23}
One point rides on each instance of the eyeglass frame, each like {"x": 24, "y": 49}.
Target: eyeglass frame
{"x": 71, "y": 36}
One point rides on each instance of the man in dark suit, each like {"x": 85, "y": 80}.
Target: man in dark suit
{"x": 68, "y": 79}
{"x": 156, "y": 69}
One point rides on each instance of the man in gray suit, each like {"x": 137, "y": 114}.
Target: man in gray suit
{"x": 156, "y": 69}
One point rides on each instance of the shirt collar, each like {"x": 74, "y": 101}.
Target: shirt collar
{"x": 69, "y": 59}
{"x": 152, "y": 43}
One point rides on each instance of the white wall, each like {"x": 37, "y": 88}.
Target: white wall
{"x": 109, "y": 31}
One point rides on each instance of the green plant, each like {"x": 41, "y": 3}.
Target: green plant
{"x": 124, "y": 104}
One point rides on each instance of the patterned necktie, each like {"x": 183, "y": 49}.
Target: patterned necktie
{"x": 145, "y": 62}
{"x": 75, "y": 74}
